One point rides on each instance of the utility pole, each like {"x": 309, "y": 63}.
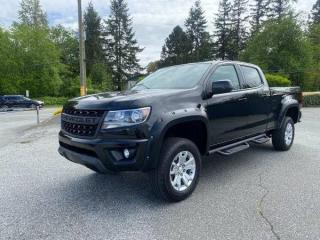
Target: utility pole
{"x": 83, "y": 87}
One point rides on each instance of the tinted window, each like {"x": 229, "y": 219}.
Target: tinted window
{"x": 227, "y": 72}
{"x": 177, "y": 77}
{"x": 251, "y": 77}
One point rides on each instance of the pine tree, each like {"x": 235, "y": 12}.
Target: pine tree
{"x": 176, "y": 48}
{"x": 315, "y": 13}
{"x": 93, "y": 28}
{"x": 260, "y": 10}
{"x": 281, "y": 8}
{"x": 238, "y": 31}
{"x": 121, "y": 47}
{"x": 223, "y": 30}
{"x": 196, "y": 25}
{"x": 31, "y": 14}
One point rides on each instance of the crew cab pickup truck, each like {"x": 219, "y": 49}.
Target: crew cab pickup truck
{"x": 175, "y": 116}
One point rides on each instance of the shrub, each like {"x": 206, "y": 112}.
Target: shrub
{"x": 311, "y": 100}
{"x": 53, "y": 101}
{"x": 93, "y": 91}
{"x": 275, "y": 80}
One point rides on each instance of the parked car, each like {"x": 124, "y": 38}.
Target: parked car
{"x": 174, "y": 117}
{"x": 18, "y": 101}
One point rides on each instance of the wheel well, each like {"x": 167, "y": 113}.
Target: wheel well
{"x": 293, "y": 113}
{"x": 195, "y": 131}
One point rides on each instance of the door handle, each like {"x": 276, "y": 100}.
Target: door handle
{"x": 242, "y": 99}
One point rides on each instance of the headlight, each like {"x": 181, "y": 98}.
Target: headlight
{"x": 124, "y": 118}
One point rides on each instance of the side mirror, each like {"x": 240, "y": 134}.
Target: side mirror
{"x": 221, "y": 86}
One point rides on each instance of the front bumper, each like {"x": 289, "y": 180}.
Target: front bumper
{"x": 105, "y": 154}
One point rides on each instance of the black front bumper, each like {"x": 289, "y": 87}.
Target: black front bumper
{"x": 105, "y": 154}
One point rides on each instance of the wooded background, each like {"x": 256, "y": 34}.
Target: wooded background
{"x": 45, "y": 59}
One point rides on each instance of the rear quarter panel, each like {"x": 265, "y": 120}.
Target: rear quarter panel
{"x": 283, "y": 98}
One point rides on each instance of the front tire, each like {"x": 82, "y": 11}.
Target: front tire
{"x": 282, "y": 138}
{"x": 178, "y": 172}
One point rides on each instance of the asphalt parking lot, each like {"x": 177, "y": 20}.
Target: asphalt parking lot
{"x": 255, "y": 194}
{"x": 14, "y": 122}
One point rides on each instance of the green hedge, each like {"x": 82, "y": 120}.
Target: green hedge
{"x": 53, "y": 101}
{"x": 275, "y": 80}
{"x": 311, "y": 100}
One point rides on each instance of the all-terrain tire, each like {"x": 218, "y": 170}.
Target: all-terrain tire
{"x": 160, "y": 177}
{"x": 282, "y": 138}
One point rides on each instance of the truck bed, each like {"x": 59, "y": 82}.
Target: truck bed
{"x": 294, "y": 91}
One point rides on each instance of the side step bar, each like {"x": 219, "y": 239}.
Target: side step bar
{"x": 261, "y": 140}
{"x": 239, "y": 146}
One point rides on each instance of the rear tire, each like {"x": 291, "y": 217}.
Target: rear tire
{"x": 178, "y": 172}
{"x": 282, "y": 138}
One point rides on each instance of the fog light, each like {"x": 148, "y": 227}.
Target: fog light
{"x": 126, "y": 153}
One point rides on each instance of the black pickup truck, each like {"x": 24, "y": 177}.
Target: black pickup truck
{"x": 169, "y": 120}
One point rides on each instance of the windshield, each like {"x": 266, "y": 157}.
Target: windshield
{"x": 177, "y": 77}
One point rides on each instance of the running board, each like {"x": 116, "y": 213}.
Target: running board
{"x": 239, "y": 146}
{"x": 234, "y": 150}
{"x": 261, "y": 140}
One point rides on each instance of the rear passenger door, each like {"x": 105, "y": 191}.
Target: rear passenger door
{"x": 257, "y": 94}
{"x": 226, "y": 111}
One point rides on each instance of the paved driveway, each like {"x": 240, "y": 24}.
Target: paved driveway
{"x": 255, "y": 194}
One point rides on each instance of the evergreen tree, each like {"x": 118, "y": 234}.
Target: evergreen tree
{"x": 260, "y": 10}
{"x": 238, "y": 31}
{"x": 196, "y": 25}
{"x": 223, "y": 30}
{"x": 93, "y": 28}
{"x": 315, "y": 13}
{"x": 31, "y": 14}
{"x": 281, "y": 8}
{"x": 176, "y": 48}
{"x": 121, "y": 47}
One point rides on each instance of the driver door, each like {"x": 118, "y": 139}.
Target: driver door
{"x": 226, "y": 111}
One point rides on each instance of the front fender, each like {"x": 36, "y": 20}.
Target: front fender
{"x": 164, "y": 123}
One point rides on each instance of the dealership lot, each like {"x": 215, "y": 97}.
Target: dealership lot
{"x": 255, "y": 194}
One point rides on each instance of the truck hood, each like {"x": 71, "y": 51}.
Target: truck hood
{"x": 124, "y": 100}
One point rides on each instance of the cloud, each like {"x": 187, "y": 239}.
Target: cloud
{"x": 153, "y": 19}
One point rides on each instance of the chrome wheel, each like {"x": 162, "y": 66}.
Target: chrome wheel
{"x": 288, "y": 134}
{"x": 182, "y": 171}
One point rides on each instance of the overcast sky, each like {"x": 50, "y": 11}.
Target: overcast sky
{"x": 153, "y": 19}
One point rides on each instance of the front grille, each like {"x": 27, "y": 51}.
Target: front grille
{"x": 82, "y": 123}
{"x": 84, "y": 113}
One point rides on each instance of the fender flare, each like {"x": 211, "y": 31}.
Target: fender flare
{"x": 287, "y": 103}
{"x": 160, "y": 129}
